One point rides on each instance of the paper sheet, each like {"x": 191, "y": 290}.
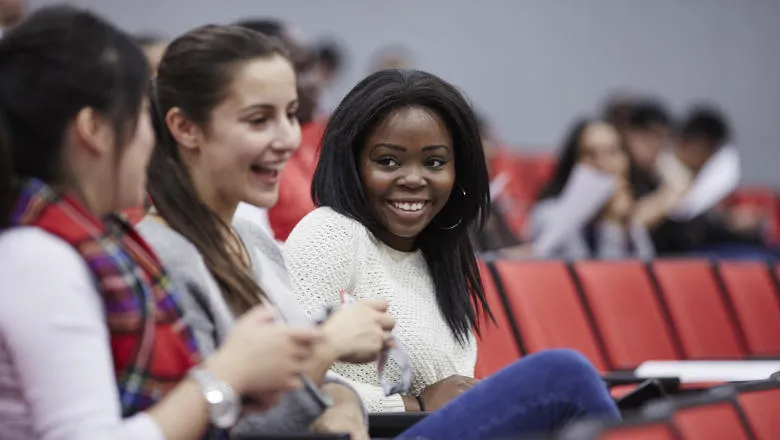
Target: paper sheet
{"x": 709, "y": 371}
{"x": 718, "y": 178}
{"x": 585, "y": 194}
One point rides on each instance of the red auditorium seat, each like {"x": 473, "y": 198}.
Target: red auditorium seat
{"x": 546, "y": 308}
{"x": 719, "y": 420}
{"x": 496, "y": 346}
{"x": 649, "y": 431}
{"x": 760, "y": 402}
{"x": 754, "y": 298}
{"x": 697, "y": 309}
{"x": 627, "y": 313}
{"x": 631, "y": 429}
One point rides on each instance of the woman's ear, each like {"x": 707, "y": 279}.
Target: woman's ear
{"x": 93, "y": 131}
{"x": 184, "y": 131}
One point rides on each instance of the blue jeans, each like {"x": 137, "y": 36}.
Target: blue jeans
{"x": 538, "y": 394}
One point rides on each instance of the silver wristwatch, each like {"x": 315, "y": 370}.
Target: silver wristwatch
{"x": 224, "y": 404}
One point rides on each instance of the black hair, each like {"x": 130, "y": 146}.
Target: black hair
{"x": 648, "y": 114}
{"x": 706, "y": 123}
{"x": 330, "y": 54}
{"x": 269, "y": 27}
{"x": 55, "y": 63}
{"x": 619, "y": 107}
{"x": 144, "y": 40}
{"x": 337, "y": 183}
{"x": 569, "y": 156}
{"x": 195, "y": 75}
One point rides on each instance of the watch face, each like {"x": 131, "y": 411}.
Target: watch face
{"x": 224, "y": 409}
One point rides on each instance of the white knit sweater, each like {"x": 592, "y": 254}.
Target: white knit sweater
{"x": 327, "y": 252}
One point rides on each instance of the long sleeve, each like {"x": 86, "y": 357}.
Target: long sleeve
{"x": 52, "y": 324}
{"x": 207, "y": 313}
{"x": 322, "y": 257}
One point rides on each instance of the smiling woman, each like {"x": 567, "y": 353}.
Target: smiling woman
{"x": 401, "y": 179}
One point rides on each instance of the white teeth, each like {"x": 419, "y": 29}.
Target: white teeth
{"x": 405, "y": 206}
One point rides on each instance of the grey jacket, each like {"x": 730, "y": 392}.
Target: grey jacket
{"x": 208, "y": 314}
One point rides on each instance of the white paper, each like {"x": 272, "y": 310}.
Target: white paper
{"x": 586, "y": 192}
{"x": 498, "y": 184}
{"x": 718, "y": 178}
{"x": 709, "y": 371}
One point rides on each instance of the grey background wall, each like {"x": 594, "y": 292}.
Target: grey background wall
{"x": 534, "y": 65}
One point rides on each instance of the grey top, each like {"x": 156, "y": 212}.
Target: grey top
{"x": 210, "y": 318}
{"x": 611, "y": 241}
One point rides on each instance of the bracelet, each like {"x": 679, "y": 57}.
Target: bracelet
{"x": 420, "y": 402}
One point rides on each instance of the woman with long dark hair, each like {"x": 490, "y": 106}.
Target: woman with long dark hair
{"x": 400, "y": 181}
{"x": 614, "y": 232}
{"x": 92, "y": 341}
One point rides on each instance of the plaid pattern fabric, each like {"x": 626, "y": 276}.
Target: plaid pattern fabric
{"x": 152, "y": 347}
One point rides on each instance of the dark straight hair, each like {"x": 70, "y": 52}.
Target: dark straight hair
{"x": 570, "y": 153}
{"x": 54, "y": 64}
{"x": 448, "y": 251}
{"x": 195, "y": 75}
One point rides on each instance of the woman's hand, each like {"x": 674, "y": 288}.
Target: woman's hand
{"x": 262, "y": 359}
{"x": 442, "y": 392}
{"x": 621, "y": 205}
{"x": 358, "y": 332}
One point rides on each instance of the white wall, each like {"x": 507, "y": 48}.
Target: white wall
{"x": 533, "y": 65}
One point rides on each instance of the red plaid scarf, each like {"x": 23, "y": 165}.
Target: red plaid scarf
{"x": 152, "y": 347}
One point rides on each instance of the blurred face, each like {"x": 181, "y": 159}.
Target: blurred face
{"x": 251, "y": 135}
{"x": 11, "y": 11}
{"x": 407, "y": 167}
{"x": 600, "y": 147}
{"x": 154, "y": 53}
{"x": 695, "y": 152}
{"x": 131, "y": 188}
{"x": 309, "y": 78}
{"x": 646, "y": 145}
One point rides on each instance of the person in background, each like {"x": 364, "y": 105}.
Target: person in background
{"x": 11, "y": 12}
{"x": 495, "y": 234}
{"x": 704, "y": 131}
{"x": 401, "y": 180}
{"x": 92, "y": 341}
{"x": 225, "y": 106}
{"x": 650, "y": 133}
{"x": 294, "y": 201}
{"x": 394, "y": 56}
{"x": 618, "y": 108}
{"x": 330, "y": 62}
{"x": 153, "y": 47}
{"x": 613, "y": 233}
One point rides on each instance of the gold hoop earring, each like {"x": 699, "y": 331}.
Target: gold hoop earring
{"x": 460, "y": 220}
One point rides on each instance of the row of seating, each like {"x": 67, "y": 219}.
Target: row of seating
{"x": 620, "y": 314}
{"x": 742, "y": 412}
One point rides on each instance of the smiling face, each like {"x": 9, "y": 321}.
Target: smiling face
{"x": 600, "y": 147}
{"x": 250, "y": 136}
{"x": 407, "y": 168}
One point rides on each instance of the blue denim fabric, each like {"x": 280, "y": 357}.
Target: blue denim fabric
{"x": 538, "y": 394}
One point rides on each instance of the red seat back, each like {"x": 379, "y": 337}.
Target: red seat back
{"x": 626, "y": 311}
{"x": 756, "y": 305}
{"x": 649, "y": 431}
{"x": 496, "y": 346}
{"x": 712, "y": 421}
{"x": 697, "y": 309}
{"x": 545, "y": 305}
{"x": 762, "y": 409}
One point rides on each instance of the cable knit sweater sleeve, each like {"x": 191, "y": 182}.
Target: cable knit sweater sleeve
{"x": 322, "y": 255}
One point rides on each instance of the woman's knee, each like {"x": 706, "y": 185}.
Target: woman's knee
{"x": 565, "y": 360}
